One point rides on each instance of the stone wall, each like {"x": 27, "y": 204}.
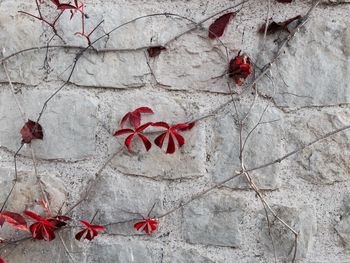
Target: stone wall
{"x": 307, "y": 92}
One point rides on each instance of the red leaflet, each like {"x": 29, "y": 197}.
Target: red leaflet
{"x": 43, "y": 229}
{"x": 58, "y": 221}
{"x": 62, "y": 6}
{"x": 31, "y": 130}
{"x": 217, "y": 28}
{"x": 240, "y": 68}
{"x": 155, "y": 51}
{"x": 56, "y": 2}
{"x": 135, "y": 116}
{"x": 90, "y": 230}
{"x": 171, "y": 131}
{"x": 137, "y": 132}
{"x": 2, "y": 261}
{"x": 148, "y": 225}
{"x": 15, "y": 220}
{"x": 274, "y": 27}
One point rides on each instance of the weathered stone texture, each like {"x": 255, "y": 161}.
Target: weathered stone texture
{"x": 69, "y": 123}
{"x": 214, "y": 220}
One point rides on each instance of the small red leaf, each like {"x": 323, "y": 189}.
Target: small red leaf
{"x": 15, "y": 220}
{"x": 91, "y": 231}
{"x": 148, "y": 225}
{"x": 56, "y": 2}
{"x": 155, "y": 51}
{"x": 65, "y": 6}
{"x": 31, "y": 130}
{"x": 240, "y": 68}
{"x": 217, "y": 28}
{"x": 135, "y": 116}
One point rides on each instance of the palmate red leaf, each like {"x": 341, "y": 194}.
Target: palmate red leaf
{"x": 43, "y": 229}
{"x": 274, "y": 27}
{"x": 90, "y": 231}
{"x": 148, "y": 225}
{"x": 138, "y": 131}
{"x": 240, "y": 68}
{"x": 155, "y": 51}
{"x": 31, "y": 130}
{"x": 217, "y": 28}
{"x": 66, "y": 6}
{"x": 135, "y": 116}
{"x": 171, "y": 132}
{"x": 15, "y": 220}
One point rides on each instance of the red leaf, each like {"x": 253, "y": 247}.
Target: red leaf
{"x": 171, "y": 131}
{"x": 137, "y": 132}
{"x": 56, "y": 2}
{"x": 240, "y": 68}
{"x": 148, "y": 225}
{"x": 91, "y": 231}
{"x": 2, "y": 261}
{"x": 155, "y": 51}
{"x": 217, "y": 28}
{"x": 274, "y": 27}
{"x": 31, "y": 130}
{"x": 65, "y": 6}
{"x": 15, "y": 220}
{"x": 135, "y": 116}
{"x": 44, "y": 228}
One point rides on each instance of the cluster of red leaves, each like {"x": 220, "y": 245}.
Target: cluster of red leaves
{"x": 137, "y": 129}
{"x": 44, "y": 228}
{"x": 90, "y": 231}
{"x": 240, "y": 68}
{"x": 147, "y": 225}
{"x": 31, "y": 130}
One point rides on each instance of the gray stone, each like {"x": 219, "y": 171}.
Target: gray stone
{"x": 69, "y": 124}
{"x": 301, "y": 219}
{"x": 325, "y": 162}
{"x": 343, "y": 230}
{"x": 264, "y": 145}
{"x": 315, "y": 68}
{"x": 107, "y": 251}
{"x": 213, "y": 220}
{"x": 185, "y": 67}
{"x": 184, "y": 256}
{"x": 121, "y": 198}
{"x": 187, "y": 162}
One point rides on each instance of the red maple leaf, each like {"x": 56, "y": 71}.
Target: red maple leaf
{"x": 274, "y": 27}
{"x": 135, "y": 116}
{"x": 91, "y": 231}
{"x": 217, "y": 28}
{"x": 15, "y": 220}
{"x": 43, "y": 229}
{"x": 134, "y": 132}
{"x": 171, "y": 131}
{"x": 148, "y": 225}
{"x": 31, "y": 130}
{"x": 240, "y": 68}
{"x": 155, "y": 51}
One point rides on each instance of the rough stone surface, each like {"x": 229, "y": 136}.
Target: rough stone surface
{"x": 302, "y": 220}
{"x": 261, "y": 146}
{"x": 307, "y": 93}
{"x": 69, "y": 124}
{"x": 214, "y": 220}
